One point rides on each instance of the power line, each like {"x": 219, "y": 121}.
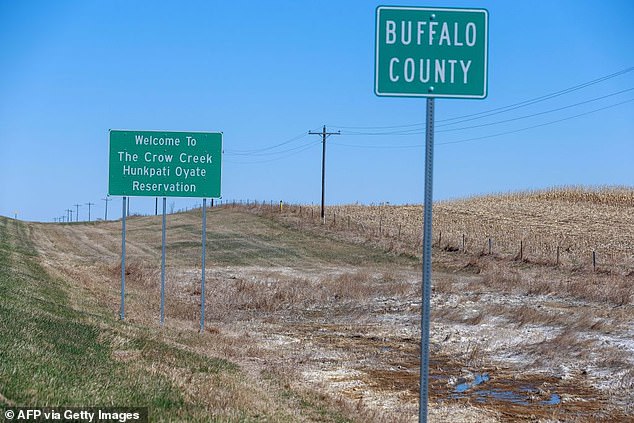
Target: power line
{"x": 418, "y": 131}
{"x": 536, "y": 126}
{"x": 416, "y": 128}
{"x": 259, "y": 150}
{"x": 273, "y": 153}
{"x": 303, "y": 148}
{"x": 545, "y": 97}
{"x": 538, "y": 113}
{"x": 503, "y": 109}
{"x": 487, "y": 136}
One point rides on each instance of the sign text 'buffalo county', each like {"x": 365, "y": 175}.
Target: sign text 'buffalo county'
{"x": 431, "y": 52}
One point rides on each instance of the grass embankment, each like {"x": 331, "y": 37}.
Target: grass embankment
{"x": 54, "y": 355}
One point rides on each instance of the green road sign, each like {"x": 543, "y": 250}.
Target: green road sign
{"x": 431, "y": 52}
{"x": 165, "y": 164}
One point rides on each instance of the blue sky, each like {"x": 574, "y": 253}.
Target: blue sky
{"x": 265, "y": 73}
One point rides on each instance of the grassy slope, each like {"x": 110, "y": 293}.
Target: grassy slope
{"x": 242, "y": 239}
{"x": 54, "y": 355}
{"x": 61, "y": 346}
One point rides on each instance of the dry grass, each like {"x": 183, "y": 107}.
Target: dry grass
{"x": 330, "y": 328}
{"x": 265, "y": 291}
{"x": 239, "y": 299}
{"x": 610, "y": 196}
{"x": 610, "y": 289}
{"x": 563, "y": 228}
{"x": 577, "y": 220}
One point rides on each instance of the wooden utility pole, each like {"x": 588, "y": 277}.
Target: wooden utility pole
{"x": 89, "y": 204}
{"x": 77, "y": 214}
{"x": 105, "y": 217}
{"x": 324, "y": 135}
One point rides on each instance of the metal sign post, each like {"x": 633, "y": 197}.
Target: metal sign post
{"x": 432, "y": 53}
{"x": 427, "y": 226}
{"x": 163, "y": 164}
{"x": 123, "y": 213}
{"x": 163, "y": 266}
{"x": 202, "y": 289}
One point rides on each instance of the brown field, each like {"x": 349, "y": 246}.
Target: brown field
{"x": 572, "y": 229}
{"x": 322, "y": 320}
{"x": 577, "y": 220}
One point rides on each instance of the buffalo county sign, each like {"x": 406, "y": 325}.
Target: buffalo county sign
{"x": 165, "y": 164}
{"x": 431, "y": 52}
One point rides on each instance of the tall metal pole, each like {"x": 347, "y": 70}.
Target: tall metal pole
{"x": 163, "y": 265}
{"x": 427, "y": 226}
{"x": 77, "y": 214}
{"x": 202, "y": 289}
{"x": 123, "y": 213}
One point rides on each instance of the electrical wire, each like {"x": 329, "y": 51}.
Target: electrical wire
{"x": 297, "y": 151}
{"x": 536, "y": 126}
{"x": 258, "y": 150}
{"x": 483, "y": 125}
{"x": 418, "y": 128}
{"x": 538, "y": 113}
{"x": 503, "y": 109}
{"x": 271, "y": 153}
{"x": 485, "y": 136}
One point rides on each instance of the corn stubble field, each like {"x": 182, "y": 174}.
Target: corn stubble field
{"x": 319, "y": 321}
